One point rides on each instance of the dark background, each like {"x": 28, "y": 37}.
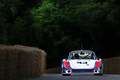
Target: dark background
{"x": 60, "y": 26}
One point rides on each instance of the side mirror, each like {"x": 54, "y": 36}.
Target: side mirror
{"x": 100, "y": 59}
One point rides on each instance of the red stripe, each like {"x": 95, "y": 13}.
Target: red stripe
{"x": 98, "y": 63}
{"x": 66, "y": 63}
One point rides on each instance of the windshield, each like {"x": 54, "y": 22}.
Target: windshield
{"x": 82, "y": 55}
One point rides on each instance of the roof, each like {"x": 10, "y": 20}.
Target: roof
{"x": 82, "y": 51}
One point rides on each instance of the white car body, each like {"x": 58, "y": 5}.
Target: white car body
{"x": 82, "y": 62}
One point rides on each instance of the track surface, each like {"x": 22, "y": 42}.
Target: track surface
{"x": 77, "y": 77}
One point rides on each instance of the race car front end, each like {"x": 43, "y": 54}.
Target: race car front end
{"x": 81, "y": 67}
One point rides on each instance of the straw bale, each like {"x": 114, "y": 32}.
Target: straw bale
{"x": 112, "y": 65}
{"x": 2, "y": 63}
{"x": 21, "y": 61}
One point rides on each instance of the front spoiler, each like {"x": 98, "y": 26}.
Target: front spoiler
{"x": 81, "y": 71}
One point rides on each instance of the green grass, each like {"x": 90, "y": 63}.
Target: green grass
{"x": 33, "y": 76}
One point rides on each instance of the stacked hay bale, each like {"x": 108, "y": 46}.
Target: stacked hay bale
{"x": 2, "y": 63}
{"x": 21, "y": 61}
{"x": 111, "y": 65}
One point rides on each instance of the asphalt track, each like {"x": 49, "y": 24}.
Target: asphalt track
{"x": 77, "y": 77}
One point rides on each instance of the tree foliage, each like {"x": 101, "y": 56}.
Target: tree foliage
{"x": 59, "y": 26}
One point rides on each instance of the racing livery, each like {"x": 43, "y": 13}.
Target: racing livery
{"x": 82, "y": 62}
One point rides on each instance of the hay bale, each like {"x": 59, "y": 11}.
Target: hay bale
{"x": 21, "y": 61}
{"x": 2, "y": 62}
{"x": 111, "y": 65}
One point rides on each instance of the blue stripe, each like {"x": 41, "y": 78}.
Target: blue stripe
{"x": 83, "y": 71}
{"x": 100, "y": 65}
{"x": 95, "y": 64}
{"x": 69, "y": 64}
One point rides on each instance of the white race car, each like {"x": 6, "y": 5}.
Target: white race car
{"x": 82, "y": 62}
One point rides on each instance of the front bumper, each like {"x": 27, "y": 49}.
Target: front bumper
{"x": 81, "y": 71}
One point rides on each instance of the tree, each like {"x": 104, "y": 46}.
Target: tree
{"x": 11, "y": 11}
{"x": 3, "y": 26}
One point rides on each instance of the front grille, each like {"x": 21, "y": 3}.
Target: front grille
{"x": 82, "y": 71}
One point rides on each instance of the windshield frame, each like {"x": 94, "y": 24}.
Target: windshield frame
{"x": 93, "y": 56}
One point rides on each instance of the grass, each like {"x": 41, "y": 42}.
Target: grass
{"x": 33, "y": 76}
